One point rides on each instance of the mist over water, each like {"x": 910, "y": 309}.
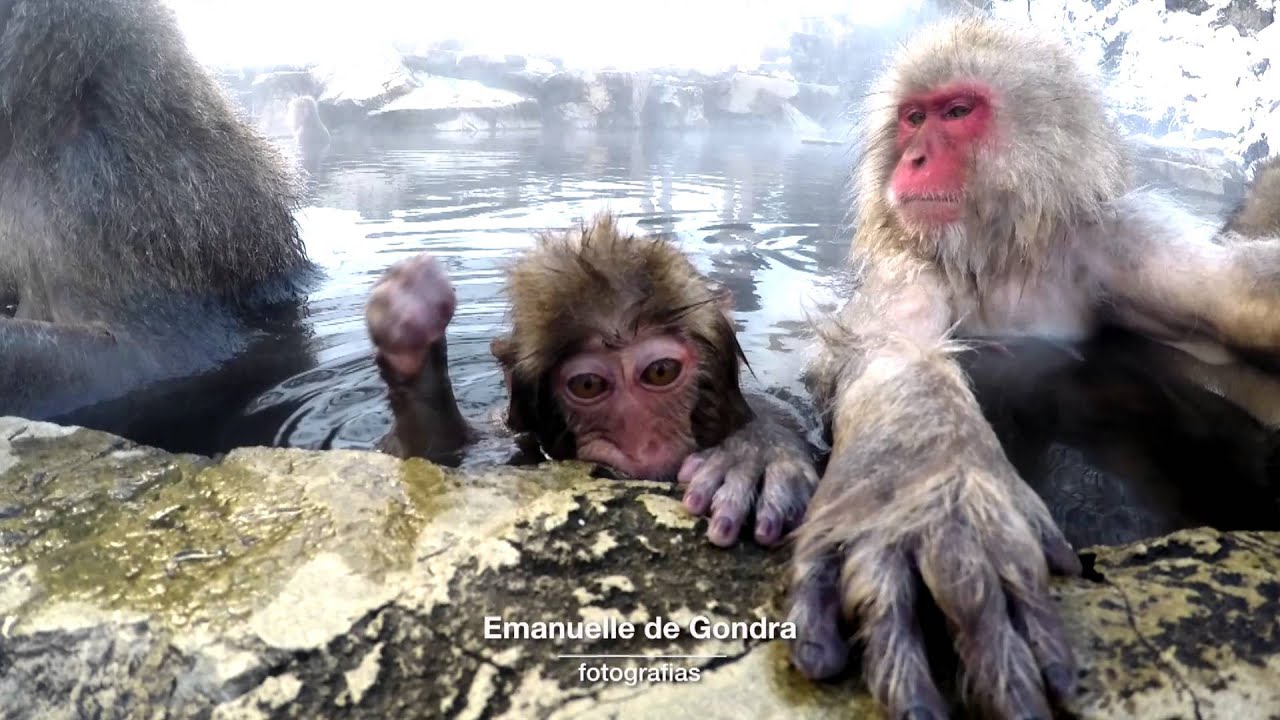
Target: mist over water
{"x": 710, "y": 34}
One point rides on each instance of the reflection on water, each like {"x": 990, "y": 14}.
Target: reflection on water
{"x": 763, "y": 215}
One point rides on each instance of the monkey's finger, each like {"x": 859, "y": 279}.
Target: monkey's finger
{"x": 411, "y": 306}
{"x": 788, "y": 487}
{"x": 1035, "y": 616}
{"x": 423, "y": 269}
{"x": 1058, "y": 553}
{"x": 691, "y": 465}
{"x": 895, "y": 663}
{"x": 820, "y": 649}
{"x": 398, "y": 322}
{"x": 704, "y": 481}
{"x": 1002, "y": 673}
{"x": 732, "y": 503}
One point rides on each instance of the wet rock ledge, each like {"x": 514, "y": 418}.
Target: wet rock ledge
{"x": 287, "y": 583}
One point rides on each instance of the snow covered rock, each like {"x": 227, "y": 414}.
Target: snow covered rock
{"x": 1201, "y": 75}
{"x": 451, "y": 104}
{"x": 750, "y": 94}
{"x": 575, "y": 99}
{"x": 1209, "y": 172}
{"x": 674, "y": 104}
{"x": 365, "y": 80}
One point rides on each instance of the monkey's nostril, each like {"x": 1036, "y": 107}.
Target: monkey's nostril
{"x": 917, "y": 162}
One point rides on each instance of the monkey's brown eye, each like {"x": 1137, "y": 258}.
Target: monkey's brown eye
{"x": 915, "y": 118}
{"x": 661, "y": 372}
{"x": 958, "y": 111}
{"x": 587, "y": 386}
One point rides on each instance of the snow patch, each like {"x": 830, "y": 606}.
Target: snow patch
{"x": 444, "y": 93}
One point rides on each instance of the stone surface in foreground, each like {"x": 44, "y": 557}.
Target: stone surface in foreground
{"x": 287, "y": 583}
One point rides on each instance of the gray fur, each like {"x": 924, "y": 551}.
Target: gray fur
{"x": 132, "y": 200}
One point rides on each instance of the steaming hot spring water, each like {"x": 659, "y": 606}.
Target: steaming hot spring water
{"x": 766, "y": 215}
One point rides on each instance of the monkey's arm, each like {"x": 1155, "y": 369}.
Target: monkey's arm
{"x": 48, "y": 369}
{"x": 766, "y": 465}
{"x": 407, "y": 315}
{"x": 919, "y": 489}
{"x": 428, "y": 423}
{"x": 1259, "y": 213}
{"x": 1163, "y": 274}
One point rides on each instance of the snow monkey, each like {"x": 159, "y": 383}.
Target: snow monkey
{"x": 994, "y": 201}
{"x": 619, "y": 353}
{"x": 147, "y": 234}
{"x": 310, "y": 136}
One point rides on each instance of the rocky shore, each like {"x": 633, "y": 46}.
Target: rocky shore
{"x": 289, "y": 583}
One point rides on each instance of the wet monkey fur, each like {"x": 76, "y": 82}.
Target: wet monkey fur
{"x": 146, "y": 232}
{"x": 994, "y": 202}
{"x": 619, "y": 353}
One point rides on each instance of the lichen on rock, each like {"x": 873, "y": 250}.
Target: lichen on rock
{"x": 290, "y": 583}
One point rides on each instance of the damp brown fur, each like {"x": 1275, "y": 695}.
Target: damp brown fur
{"x": 599, "y": 282}
{"x": 598, "y": 304}
{"x": 993, "y": 199}
{"x": 1257, "y": 216}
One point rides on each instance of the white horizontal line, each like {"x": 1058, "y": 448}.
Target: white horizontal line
{"x": 651, "y": 657}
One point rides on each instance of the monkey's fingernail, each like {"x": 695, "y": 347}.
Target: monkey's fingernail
{"x": 816, "y": 661}
{"x": 767, "y": 529}
{"x": 1061, "y": 681}
{"x": 723, "y": 530}
{"x": 918, "y": 713}
{"x": 695, "y": 502}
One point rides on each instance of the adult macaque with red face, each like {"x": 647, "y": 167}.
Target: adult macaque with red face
{"x": 619, "y": 353}
{"x": 995, "y": 203}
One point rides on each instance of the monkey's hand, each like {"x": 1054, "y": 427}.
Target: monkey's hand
{"x": 951, "y": 515}
{"x": 766, "y": 466}
{"x": 407, "y": 313}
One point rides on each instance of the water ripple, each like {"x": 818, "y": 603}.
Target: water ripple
{"x": 762, "y": 215}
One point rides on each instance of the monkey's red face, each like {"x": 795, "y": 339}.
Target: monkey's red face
{"x": 936, "y": 135}
{"x": 630, "y": 407}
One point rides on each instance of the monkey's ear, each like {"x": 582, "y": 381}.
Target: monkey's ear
{"x": 503, "y": 350}
{"x": 534, "y": 410}
{"x": 523, "y": 401}
{"x": 522, "y": 408}
{"x": 721, "y": 408}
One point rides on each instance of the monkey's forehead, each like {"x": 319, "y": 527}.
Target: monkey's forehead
{"x": 600, "y": 267}
{"x": 540, "y": 346}
{"x": 999, "y": 54}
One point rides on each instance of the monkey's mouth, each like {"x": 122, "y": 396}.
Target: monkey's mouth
{"x": 932, "y": 208}
{"x": 662, "y": 466}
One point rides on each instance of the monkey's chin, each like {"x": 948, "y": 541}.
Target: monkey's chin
{"x": 930, "y": 215}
